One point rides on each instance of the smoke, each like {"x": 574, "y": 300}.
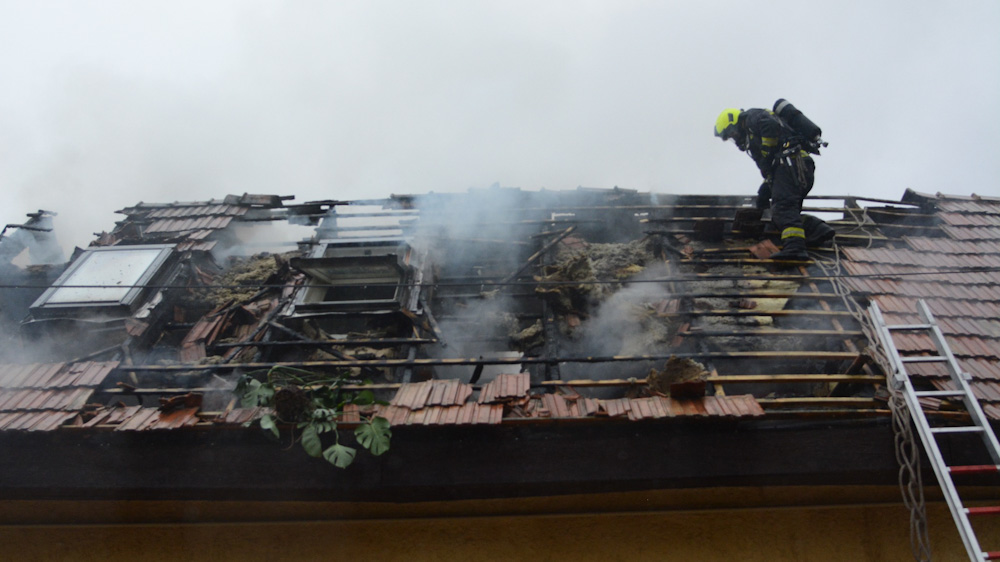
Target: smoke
{"x": 625, "y": 324}
{"x": 479, "y": 329}
{"x": 34, "y": 243}
{"x": 37, "y": 237}
{"x": 475, "y": 240}
{"x": 247, "y": 239}
{"x": 219, "y": 391}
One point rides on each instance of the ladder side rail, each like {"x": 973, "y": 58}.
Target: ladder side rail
{"x": 961, "y": 380}
{"x": 979, "y": 418}
{"x": 899, "y": 369}
{"x": 901, "y": 380}
{"x": 952, "y": 498}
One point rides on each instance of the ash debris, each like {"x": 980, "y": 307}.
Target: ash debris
{"x": 586, "y": 274}
{"x": 600, "y": 313}
{"x": 243, "y": 278}
{"x": 678, "y": 378}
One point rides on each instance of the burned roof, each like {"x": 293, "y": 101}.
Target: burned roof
{"x": 200, "y": 225}
{"x": 507, "y": 306}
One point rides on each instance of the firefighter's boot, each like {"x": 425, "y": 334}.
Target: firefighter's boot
{"x": 793, "y": 246}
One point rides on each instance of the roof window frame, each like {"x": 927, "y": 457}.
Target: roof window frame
{"x": 319, "y": 268}
{"x": 137, "y": 286}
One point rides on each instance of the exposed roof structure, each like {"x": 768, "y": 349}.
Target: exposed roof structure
{"x": 525, "y": 328}
{"x": 788, "y": 330}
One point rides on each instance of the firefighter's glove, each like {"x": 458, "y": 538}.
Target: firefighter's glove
{"x": 764, "y": 196}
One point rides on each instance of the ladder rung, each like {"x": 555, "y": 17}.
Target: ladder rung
{"x": 939, "y": 393}
{"x": 974, "y": 469}
{"x": 910, "y": 327}
{"x": 944, "y": 355}
{"x": 958, "y": 429}
{"x": 924, "y": 359}
{"x": 987, "y": 510}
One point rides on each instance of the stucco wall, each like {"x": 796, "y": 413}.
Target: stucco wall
{"x": 877, "y": 532}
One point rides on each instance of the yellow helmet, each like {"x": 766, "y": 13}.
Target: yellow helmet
{"x": 725, "y": 125}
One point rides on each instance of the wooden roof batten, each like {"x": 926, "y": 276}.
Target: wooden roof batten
{"x": 816, "y": 310}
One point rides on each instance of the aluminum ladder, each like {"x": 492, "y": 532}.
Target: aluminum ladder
{"x": 929, "y": 434}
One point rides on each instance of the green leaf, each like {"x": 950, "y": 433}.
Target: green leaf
{"x": 241, "y": 384}
{"x": 364, "y": 398}
{"x": 265, "y": 393}
{"x": 311, "y": 442}
{"x": 325, "y": 426}
{"x": 339, "y": 455}
{"x": 324, "y": 414}
{"x": 248, "y": 393}
{"x": 325, "y": 396}
{"x": 374, "y": 435}
{"x": 267, "y": 423}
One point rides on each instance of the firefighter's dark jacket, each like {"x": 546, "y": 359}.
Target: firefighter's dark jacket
{"x": 762, "y": 135}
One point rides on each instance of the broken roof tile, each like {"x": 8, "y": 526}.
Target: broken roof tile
{"x": 557, "y": 405}
{"x": 448, "y": 392}
{"x": 51, "y": 421}
{"x": 135, "y": 418}
{"x": 618, "y": 407}
{"x": 177, "y": 418}
{"x": 412, "y": 396}
{"x": 395, "y": 414}
{"x": 194, "y": 245}
{"x": 505, "y": 387}
{"x": 992, "y": 410}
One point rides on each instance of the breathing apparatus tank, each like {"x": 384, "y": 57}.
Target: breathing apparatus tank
{"x": 798, "y": 122}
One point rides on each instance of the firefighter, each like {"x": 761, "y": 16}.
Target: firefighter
{"x": 788, "y": 173}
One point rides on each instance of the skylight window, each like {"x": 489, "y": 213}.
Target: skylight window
{"x": 114, "y": 276}
{"x": 363, "y": 274}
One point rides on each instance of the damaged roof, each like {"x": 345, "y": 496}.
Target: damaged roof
{"x": 191, "y": 225}
{"x": 569, "y": 307}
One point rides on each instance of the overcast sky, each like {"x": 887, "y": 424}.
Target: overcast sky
{"x": 108, "y": 103}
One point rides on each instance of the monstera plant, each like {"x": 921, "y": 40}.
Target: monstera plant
{"x": 311, "y": 405}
